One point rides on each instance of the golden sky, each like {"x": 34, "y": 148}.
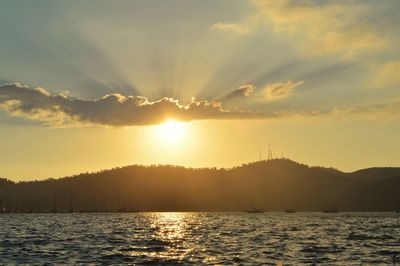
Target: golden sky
{"x": 91, "y": 85}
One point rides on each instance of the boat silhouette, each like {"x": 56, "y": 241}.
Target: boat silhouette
{"x": 255, "y": 210}
{"x": 331, "y": 210}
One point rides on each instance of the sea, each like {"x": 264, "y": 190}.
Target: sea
{"x": 201, "y": 238}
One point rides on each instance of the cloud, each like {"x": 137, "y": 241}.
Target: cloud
{"x": 111, "y": 110}
{"x": 280, "y": 90}
{"x": 116, "y": 110}
{"x": 388, "y": 75}
{"x": 324, "y": 27}
{"x": 241, "y": 92}
{"x": 328, "y": 27}
{"x": 388, "y": 110}
{"x": 231, "y": 27}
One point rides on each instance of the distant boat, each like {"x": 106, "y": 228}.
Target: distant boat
{"x": 331, "y": 210}
{"x": 290, "y": 211}
{"x": 255, "y": 210}
{"x": 127, "y": 210}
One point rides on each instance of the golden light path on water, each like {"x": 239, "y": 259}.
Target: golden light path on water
{"x": 182, "y": 237}
{"x": 170, "y": 230}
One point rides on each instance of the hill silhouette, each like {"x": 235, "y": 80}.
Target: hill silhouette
{"x": 274, "y": 185}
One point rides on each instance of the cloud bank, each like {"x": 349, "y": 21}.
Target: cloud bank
{"x": 59, "y": 110}
{"x": 111, "y": 110}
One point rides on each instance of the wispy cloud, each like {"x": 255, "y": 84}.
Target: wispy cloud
{"x": 111, "y": 110}
{"x": 281, "y": 90}
{"x": 237, "y": 28}
{"x": 333, "y": 27}
{"x": 387, "y": 75}
{"x": 388, "y": 110}
{"x": 328, "y": 27}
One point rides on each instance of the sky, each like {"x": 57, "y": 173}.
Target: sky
{"x": 89, "y": 85}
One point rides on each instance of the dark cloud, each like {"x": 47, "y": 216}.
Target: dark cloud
{"x": 113, "y": 110}
{"x": 117, "y": 110}
{"x": 241, "y": 92}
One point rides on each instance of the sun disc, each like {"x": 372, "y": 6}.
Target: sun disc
{"x": 171, "y": 131}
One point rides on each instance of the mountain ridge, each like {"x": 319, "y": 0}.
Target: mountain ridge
{"x": 360, "y": 171}
{"x": 274, "y": 185}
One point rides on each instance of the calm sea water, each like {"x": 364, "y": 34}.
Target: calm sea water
{"x": 201, "y": 238}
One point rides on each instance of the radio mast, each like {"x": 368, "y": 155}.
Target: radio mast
{"x": 269, "y": 151}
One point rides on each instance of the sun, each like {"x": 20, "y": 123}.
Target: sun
{"x": 171, "y": 131}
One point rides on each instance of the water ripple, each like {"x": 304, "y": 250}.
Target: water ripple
{"x": 200, "y": 238}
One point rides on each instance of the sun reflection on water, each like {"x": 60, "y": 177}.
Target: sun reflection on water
{"x": 171, "y": 225}
{"x": 169, "y": 230}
